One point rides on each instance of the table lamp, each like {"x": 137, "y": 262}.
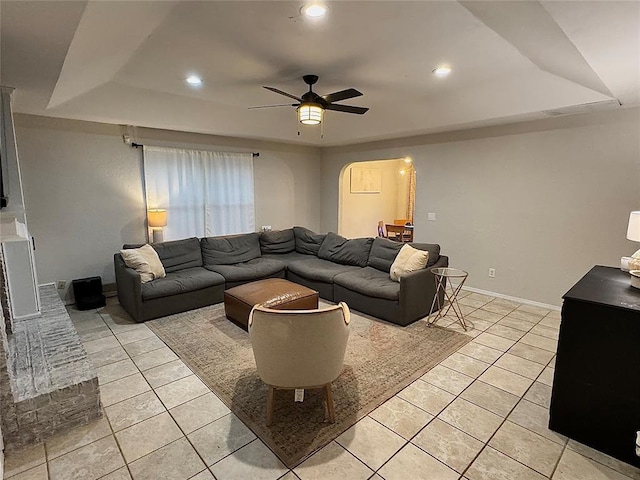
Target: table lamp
{"x": 157, "y": 218}
{"x": 633, "y": 233}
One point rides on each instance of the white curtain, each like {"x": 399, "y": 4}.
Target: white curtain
{"x": 204, "y": 193}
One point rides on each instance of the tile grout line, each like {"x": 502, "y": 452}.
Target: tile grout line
{"x": 547, "y": 365}
{"x": 477, "y": 379}
{"x": 507, "y": 416}
{"x": 555, "y": 467}
{"x": 459, "y": 396}
{"x": 444, "y": 408}
{"x": 496, "y": 431}
{"x": 108, "y": 423}
{"x": 126, "y": 463}
{"x": 152, "y": 390}
{"x": 348, "y": 452}
{"x": 167, "y": 410}
{"x": 409, "y": 441}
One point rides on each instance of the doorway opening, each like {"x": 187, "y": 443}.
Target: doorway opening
{"x": 374, "y": 191}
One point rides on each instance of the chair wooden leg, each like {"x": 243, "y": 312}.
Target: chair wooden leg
{"x": 270, "y": 398}
{"x": 329, "y": 394}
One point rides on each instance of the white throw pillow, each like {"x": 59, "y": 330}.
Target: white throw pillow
{"x": 409, "y": 259}
{"x": 145, "y": 261}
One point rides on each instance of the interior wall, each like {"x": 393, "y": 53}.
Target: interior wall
{"x": 11, "y": 165}
{"x": 83, "y": 189}
{"x": 403, "y": 190}
{"x": 541, "y": 202}
{"x": 361, "y": 212}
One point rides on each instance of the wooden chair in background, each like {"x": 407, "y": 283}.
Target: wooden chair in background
{"x": 394, "y": 232}
{"x": 399, "y": 233}
{"x": 407, "y": 235}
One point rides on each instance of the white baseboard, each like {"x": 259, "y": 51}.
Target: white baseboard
{"x": 513, "y": 299}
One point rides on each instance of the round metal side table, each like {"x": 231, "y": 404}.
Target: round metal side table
{"x": 443, "y": 277}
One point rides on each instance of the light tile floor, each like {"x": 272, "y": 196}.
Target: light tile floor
{"x": 481, "y": 414}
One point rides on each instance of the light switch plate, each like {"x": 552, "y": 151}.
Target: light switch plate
{"x": 431, "y": 217}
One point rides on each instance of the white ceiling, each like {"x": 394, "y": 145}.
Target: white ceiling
{"x": 125, "y": 62}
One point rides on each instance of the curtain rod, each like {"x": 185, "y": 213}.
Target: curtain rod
{"x": 137, "y": 145}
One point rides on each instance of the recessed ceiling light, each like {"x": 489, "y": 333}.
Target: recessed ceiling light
{"x": 194, "y": 80}
{"x": 442, "y": 71}
{"x": 314, "y": 9}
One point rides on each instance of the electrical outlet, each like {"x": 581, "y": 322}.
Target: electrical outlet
{"x": 492, "y": 273}
{"x": 266, "y": 228}
{"x": 61, "y": 284}
{"x": 431, "y": 217}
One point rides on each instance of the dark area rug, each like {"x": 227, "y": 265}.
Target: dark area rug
{"x": 381, "y": 360}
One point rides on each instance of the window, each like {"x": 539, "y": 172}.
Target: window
{"x": 204, "y": 193}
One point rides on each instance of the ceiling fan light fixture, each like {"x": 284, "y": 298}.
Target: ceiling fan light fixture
{"x": 442, "y": 71}
{"x": 310, "y": 113}
{"x": 194, "y": 80}
{"x": 314, "y": 10}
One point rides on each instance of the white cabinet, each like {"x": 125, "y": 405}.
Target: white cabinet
{"x": 20, "y": 275}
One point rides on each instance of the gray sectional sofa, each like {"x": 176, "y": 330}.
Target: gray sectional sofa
{"x": 355, "y": 271}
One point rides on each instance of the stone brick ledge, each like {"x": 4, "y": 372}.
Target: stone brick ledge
{"x": 53, "y": 385}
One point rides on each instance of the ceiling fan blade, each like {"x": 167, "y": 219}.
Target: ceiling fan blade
{"x": 270, "y": 106}
{"x": 342, "y": 95}
{"x": 273, "y": 89}
{"x": 346, "y": 108}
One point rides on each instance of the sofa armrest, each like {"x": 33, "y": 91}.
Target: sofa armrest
{"x": 417, "y": 290}
{"x": 129, "y": 287}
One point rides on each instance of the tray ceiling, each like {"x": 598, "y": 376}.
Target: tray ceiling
{"x": 126, "y": 62}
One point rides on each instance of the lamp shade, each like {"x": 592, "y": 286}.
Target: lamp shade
{"x": 310, "y": 113}
{"x": 633, "y": 231}
{"x": 157, "y": 217}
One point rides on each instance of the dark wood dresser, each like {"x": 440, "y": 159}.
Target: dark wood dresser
{"x": 596, "y": 386}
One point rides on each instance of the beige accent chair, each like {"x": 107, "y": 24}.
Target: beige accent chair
{"x": 299, "y": 349}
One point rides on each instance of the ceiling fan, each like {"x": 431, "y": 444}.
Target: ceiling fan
{"x": 311, "y": 106}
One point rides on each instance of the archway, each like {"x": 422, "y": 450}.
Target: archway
{"x": 373, "y": 191}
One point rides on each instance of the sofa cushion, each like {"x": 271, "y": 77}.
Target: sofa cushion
{"x": 432, "y": 248}
{"x": 307, "y": 242}
{"x": 279, "y": 241}
{"x": 144, "y": 261}
{"x": 286, "y": 257}
{"x": 177, "y": 254}
{"x": 230, "y": 249}
{"x": 371, "y": 282}
{"x": 344, "y": 251}
{"x": 254, "y": 269}
{"x": 408, "y": 260}
{"x": 181, "y": 281}
{"x": 318, "y": 269}
{"x": 383, "y": 253}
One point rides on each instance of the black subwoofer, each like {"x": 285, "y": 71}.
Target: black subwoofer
{"x": 88, "y": 293}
